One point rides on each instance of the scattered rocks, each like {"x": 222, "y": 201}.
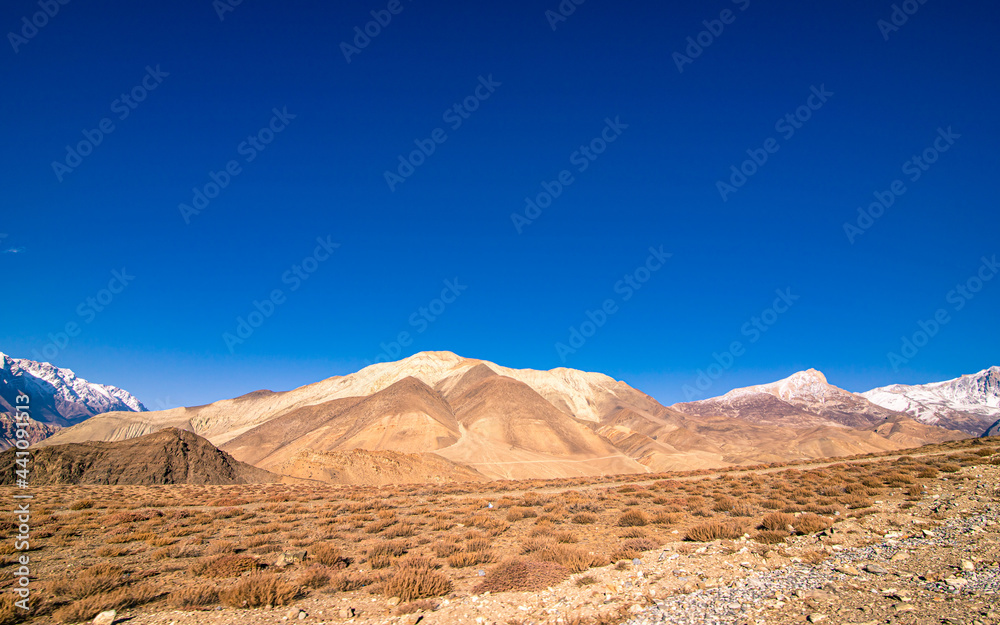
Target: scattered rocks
{"x": 105, "y": 618}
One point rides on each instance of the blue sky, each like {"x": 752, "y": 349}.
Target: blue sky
{"x": 594, "y": 112}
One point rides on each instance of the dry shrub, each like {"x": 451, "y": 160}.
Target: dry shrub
{"x": 219, "y": 548}
{"x": 667, "y": 518}
{"x": 314, "y": 576}
{"x": 9, "y": 612}
{"x": 443, "y": 550}
{"x": 82, "y": 504}
{"x": 811, "y": 523}
{"x": 329, "y": 555}
{"x": 565, "y": 537}
{"x": 112, "y": 551}
{"x": 585, "y": 518}
{"x": 414, "y": 578}
{"x": 714, "y": 530}
{"x": 777, "y": 521}
{"x": 927, "y": 472}
{"x": 771, "y": 537}
{"x": 194, "y": 597}
{"x": 100, "y": 578}
{"x": 258, "y": 590}
{"x": 477, "y": 544}
{"x": 633, "y": 547}
{"x": 774, "y": 504}
{"x": 229, "y": 565}
{"x": 469, "y": 558}
{"x": 948, "y": 467}
{"x": 347, "y": 582}
{"x": 381, "y": 554}
{"x": 521, "y": 575}
{"x": 575, "y": 559}
{"x": 632, "y": 518}
{"x": 530, "y": 545}
{"x": 126, "y": 597}
{"x": 724, "y": 504}
{"x": 491, "y": 524}
{"x": 857, "y": 501}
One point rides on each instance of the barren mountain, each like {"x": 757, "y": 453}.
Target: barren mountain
{"x": 970, "y": 403}
{"x": 436, "y": 407}
{"x": 169, "y": 456}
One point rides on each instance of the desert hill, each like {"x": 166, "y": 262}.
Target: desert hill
{"x": 170, "y": 456}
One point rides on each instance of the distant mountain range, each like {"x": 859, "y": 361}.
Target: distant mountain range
{"x": 436, "y": 416}
{"x": 970, "y": 403}
{"x": 58, "y": 398}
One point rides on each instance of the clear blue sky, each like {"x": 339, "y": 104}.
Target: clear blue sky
{"x": 215, "y": 82}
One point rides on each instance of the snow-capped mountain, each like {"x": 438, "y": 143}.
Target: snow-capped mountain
{"x": 970, "y": 403}
{"x": 58, "y": 396}
{"x": 803, "y": 399}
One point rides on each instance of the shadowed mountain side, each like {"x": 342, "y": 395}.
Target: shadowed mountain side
{"x": 993, "y": 430}
{"x": 375, "y": 468}
{"x": 407, "y": 417}
{"x": 510, "y": 431}
{"x": 35, "y": 431}
{"x": 170, "y": 456}
{"x": 256, "y": 444}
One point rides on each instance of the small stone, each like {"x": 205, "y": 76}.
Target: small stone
{"x": 816, "y": 617}
{"x": 847, "y": 569}
{"x": 876, "y": 569}
{"x": 393, "y": 601}
{"x": 902, "y": 555}
{"x": 302, "y": 615}
{"x": 346, "y": 612}
{"x": 105, "y": 618}
{"x": 904, "y": 607}
{"x": 290, "y": 557}
{"x": 956, "y": 582}
{"x": 968, "y": 565}
{"x": 293, "y": 613}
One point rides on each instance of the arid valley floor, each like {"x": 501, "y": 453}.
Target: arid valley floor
{"x": 905, "y": 537}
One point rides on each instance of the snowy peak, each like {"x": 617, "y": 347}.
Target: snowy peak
{"x": 970, "y": 403}
{"x": 58, "y": 395}
{"x": 803, "y": 385}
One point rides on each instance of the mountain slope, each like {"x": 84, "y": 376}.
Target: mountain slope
{"x": 970, "y": 403}
{"x": 169, "y": 456}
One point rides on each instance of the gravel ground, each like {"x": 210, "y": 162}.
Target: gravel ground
{"x": 869, "y": 584}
